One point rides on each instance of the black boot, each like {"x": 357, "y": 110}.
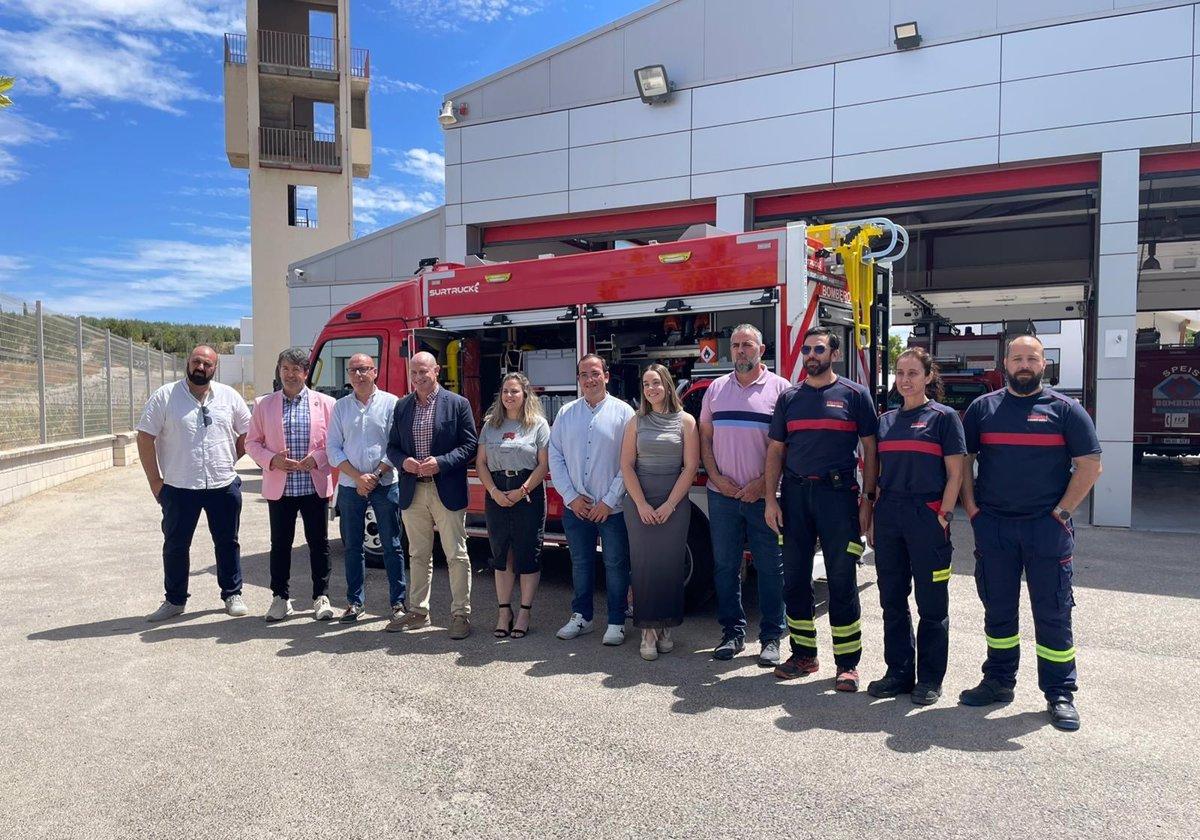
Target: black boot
{"x": 987, "y": 692}
{"x": 924, "y": 694}
{"x": 1063, "y": 714}
{"x": 890, "y": 686}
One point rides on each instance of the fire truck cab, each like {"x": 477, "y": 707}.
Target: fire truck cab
{"x": 674, "y": 303}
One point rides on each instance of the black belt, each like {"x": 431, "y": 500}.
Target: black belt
{"x": 425, "y": 479}
{"x": 848, "y": 477}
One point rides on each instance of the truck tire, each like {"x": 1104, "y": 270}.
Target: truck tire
{"x": 1137, "y": 456}
{"x": 698, "y": 575}
{"x": 372, "y": 545}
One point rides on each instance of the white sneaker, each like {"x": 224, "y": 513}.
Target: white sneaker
{"x": 280, "y": 609}
{"x": 614, "y": 635}
{"x": 665, "y": 643}
{"x": 576, "y": 625}
{"x": 649, "y": 648}
{"x": 322, "y": 609}
{"x": 235, "y": 606}
{"x": 165, "y": 610}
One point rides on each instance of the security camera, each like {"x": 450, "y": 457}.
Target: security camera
{"x": 299, "y": 272}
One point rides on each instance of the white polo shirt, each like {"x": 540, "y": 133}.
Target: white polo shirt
{"x": 193, "y": 456}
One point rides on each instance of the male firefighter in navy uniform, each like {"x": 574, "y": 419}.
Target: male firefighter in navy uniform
{"x": 814, "y": 437}
{"x": 1038, "y": 459}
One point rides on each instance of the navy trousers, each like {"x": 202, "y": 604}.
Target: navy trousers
{"x": 913, "y": 551}
{"x": 813, "y": 509}
{"x": 181, "y": 513}
{"x": 1042, "y": 547}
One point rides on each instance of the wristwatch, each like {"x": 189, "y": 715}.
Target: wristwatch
{"x": 1063, "y": 514}
{"x": 948, "y": 515}
{"x": 870, "y": 496}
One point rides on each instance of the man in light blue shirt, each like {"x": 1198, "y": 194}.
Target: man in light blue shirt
{"x": 585, "y": 467}
{"x": 357, "y": 445}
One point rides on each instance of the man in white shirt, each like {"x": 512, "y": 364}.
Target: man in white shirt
{"x": 191, "y": 434}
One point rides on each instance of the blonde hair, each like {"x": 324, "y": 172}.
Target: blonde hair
{"x": 673, "y": 405}
{"x": 531, "y": 409}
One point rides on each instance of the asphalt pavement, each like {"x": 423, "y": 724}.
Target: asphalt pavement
{"x": 208, "y": 726}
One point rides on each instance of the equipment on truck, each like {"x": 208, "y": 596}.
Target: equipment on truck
{"x": 1166, "y": 397}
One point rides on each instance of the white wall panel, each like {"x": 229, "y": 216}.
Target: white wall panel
{"x": 308, "y": 295}
{"x": 641, "y": 159}
{"x": 588, "y": 71}
{"x": 763, "y": 142}
{"x": 915, "y": 159}
{"x": 453, "y": 214}
{"x": 1125, "y": 39}
{"x": 453, "y": 144}
{"x": 780, "y": 176}
{"x": 1118, "y": 238}
{"x": 670, "y": 37}
{"x": 1114, "y": 425}
{"x": 1088, "y": 139}
{"x": 514, "y": 176}
{"x": 1093, "y": 96}
{"x": 941, "y": 20}
{"x": 629, "y": 118}
{"x": 307, "y": 323}
{"x": 637, "y": 194}
{"x": 522, "y": 92}
{"x": 513, "y": 209}
{"x": 342, "y": 295}
{"x": 926, "y": 70}
{"x": 820, "y": 36}
{"x": 762, "y": 97}
{"x": 1013, "y": 13}
{"x": 742, "y": 38}
{"x": 453, "y": 184}
{"x": 917, "y": 120}
{"x": 521, "y": 136}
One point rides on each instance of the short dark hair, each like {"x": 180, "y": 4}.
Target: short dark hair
{"x": 293, "y": 356}
{"x": 834, "y": 342}
{"x": 603, "y": 362}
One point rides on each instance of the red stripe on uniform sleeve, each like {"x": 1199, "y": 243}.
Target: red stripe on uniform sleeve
{"x": 1021, "y": 439}
{"x": 910, "y": 446}
{"x": 830, "y": 425}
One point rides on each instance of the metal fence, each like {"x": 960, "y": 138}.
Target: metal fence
{"x": 63, "y": 380}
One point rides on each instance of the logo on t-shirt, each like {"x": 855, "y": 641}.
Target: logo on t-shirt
{"x": 834, "y": 404}
{"x": 1038, "y": 418}
{"x": 510, "y": 436}
{"x": 920, "y": 424}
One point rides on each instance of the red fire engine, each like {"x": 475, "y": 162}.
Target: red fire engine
{"x": 1166, "y": 419}
{"x": 673, "y": 303}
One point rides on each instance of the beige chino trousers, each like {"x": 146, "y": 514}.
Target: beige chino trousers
{"x": 420, "y": 518}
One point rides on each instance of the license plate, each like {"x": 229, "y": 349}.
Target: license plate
{"x": 1176, "y": 441}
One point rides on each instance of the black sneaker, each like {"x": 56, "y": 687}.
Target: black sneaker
{"x": 730, "y": 647}
{"x": 1063, "y": 714}
{"x": 987, "y": 692}
{"x": 889, "y": 686}
{"x": 924, "y": 694}
{"x": 353, "y": 611}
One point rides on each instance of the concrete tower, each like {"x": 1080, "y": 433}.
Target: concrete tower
{"x": 296, "y": 116}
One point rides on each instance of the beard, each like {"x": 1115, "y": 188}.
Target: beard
{"x": 747, "y": 366}
{"x": 816, "y": 367}
{"x": 199, "y": 377}
{"x": 1024, "y": 387}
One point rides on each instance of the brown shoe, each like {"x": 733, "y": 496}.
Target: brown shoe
{"x": 407, "y": 621}
{"x": 460, "y": 627}
{"x": 396, "y": 624}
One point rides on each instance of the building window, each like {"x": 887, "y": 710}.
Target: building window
{"x": 302, "y": 206}
{"x": 331, "y": 374}
{"x": 991, "y": 329}
{"x": 1048, "y": 327}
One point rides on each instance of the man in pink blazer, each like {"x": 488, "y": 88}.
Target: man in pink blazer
{"x": 287, "y": 439}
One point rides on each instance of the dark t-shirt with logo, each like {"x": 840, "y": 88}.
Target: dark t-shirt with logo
{"x": 1025, "y": 446}
{"x": 912, "y": 448}
{"x": 821, "y": 426}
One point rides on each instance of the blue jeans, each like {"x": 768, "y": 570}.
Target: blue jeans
{"x": 581, "y": 539}
{"x": 352, "y": 515}
{"x": 732, "y": 524}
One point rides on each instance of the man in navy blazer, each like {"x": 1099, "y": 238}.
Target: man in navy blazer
{"x": 433, "y": 443}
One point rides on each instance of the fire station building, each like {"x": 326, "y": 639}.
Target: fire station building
{"x": 1044, "y": 156}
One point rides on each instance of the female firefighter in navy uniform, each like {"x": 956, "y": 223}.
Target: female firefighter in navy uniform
{"x": 921, "y": 454}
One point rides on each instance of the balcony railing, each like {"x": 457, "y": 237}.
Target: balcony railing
{"x": 299, "y": 149}
{"x": 294, "y": 50}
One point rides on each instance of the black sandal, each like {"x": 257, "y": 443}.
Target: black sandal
{"x": 521, "y": 634}
{"x": 499, "y": 632}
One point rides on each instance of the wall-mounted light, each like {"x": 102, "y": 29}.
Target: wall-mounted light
{"x": 450, "y": 113}
{"x": 1151, "y": 263}
{"x": 652, "y": 83}
{"x": 908, "y": 36}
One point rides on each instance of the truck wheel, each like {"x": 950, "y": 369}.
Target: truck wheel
{"x": 698, "y": 569}
{"x": 372, "y": 545}
{"x": 1137, "y": 456}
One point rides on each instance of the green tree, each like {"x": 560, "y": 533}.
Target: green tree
{"x": 894, "y": 350}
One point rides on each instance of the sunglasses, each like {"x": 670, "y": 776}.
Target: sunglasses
{"x": 813, "y": 349}
{"x": 206, "y": 415}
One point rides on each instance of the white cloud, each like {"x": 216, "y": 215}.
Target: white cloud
{"x": 148, "y": 275}
{"x": 10, "y": 265}
{"x": 384, "y": 84}
{"x": 376, "y": 207}
{"x": 199, "y": 17}
{"x": 426, "y": 165}
{"x": 451, "y": 14}
{"x": 86, "y": 67}
{"x": 16, "y": 130}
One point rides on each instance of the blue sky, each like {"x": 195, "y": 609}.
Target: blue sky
{"x": 116, "y": 197}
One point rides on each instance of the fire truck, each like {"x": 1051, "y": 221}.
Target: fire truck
{"x": 1166, "y": 418}
{"x": 674, "y": 303}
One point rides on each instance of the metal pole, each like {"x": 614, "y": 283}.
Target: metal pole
{"x": 148, "y": 391}
{"x": 162, "y": 365}
{"x": 108, "y": 377}
{"x": 131, "y": 383}
{"x": 41, "y": 372}
{"x": 79, "y": 374}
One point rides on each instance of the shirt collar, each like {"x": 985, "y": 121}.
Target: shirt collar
{"x": 762, "y": 377}
{"x": 300, "y": 396}
{"x": 432, "y": 397}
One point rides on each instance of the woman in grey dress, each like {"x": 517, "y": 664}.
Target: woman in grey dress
{"x": 660, "y": 454}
